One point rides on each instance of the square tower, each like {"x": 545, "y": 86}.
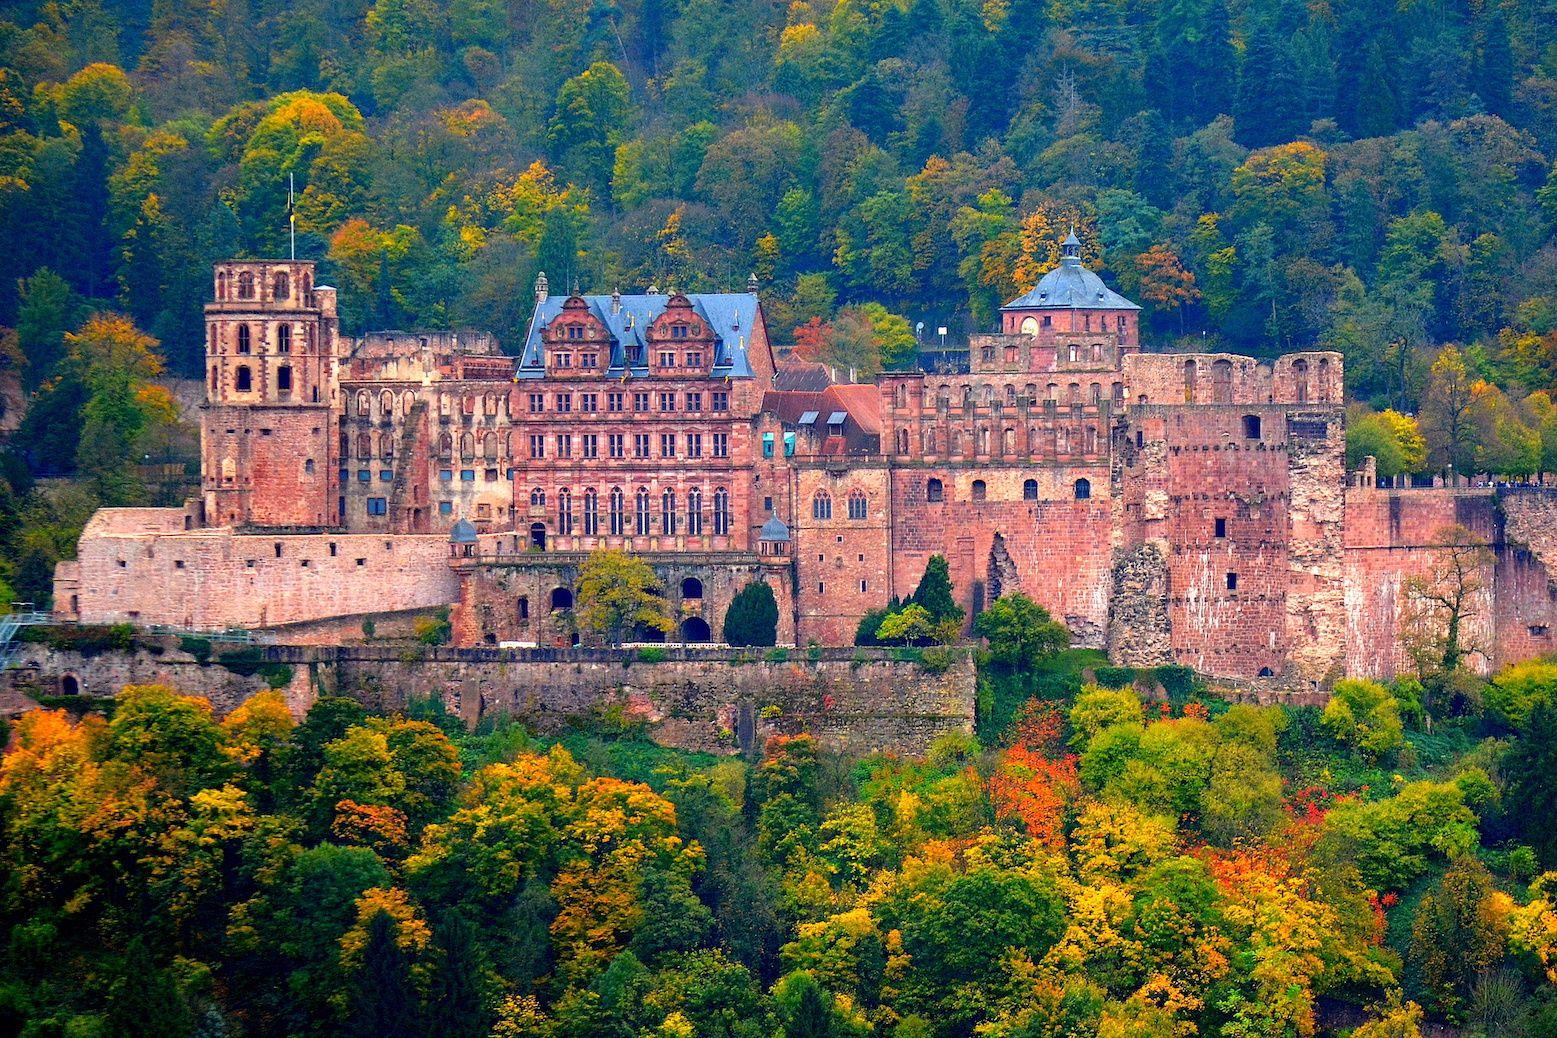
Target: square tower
{"x": 266, "y": 432}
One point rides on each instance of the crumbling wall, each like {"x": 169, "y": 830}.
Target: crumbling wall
{"x": 1139, "y": 631}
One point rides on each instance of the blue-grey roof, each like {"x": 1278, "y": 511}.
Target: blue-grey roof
{"x": 731, "y": 315}
{"x": 463, "y": 532}
{"x": 775, "y": 529}
{"x": 1071, "y": 285}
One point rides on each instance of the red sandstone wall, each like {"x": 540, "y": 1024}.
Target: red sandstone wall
{"x": 129, "y": 571}
{"x": 841, "y": 563}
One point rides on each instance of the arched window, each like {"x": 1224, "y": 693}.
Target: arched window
{"x": 243, "y": 379}
{"x": 617, "y": 511}
{"x": 561, "y": 598}
{"x": 406, "y": 400}
{"x": 694, "y": 512}
{"x": 591, "y": 513}
{"x": 1097, "y": 394}
{"x": 1061, "y": 440}
{"x": 988, "y": 395}
{"x": 1010, "y": 395}
{"x": 934, "y": 491}
{"x": 489, "y": 446}
{"x": 902, "y": 441}
{"x": 537, "y": 498}
{"x": 1324, "y": 380}
{"x": 246, "y": 285}
{"x": 967, "y": 397}
{"x": 1083, "y": 489}
{"x": 284, "y": 379}
{"x": 983, "y": 441}
{"x": 721, "y": 512}
{"x": 1073, "y": 354}
{"x": 522, "y": 608}
{"x": 1008, "y": 441}
{"x": 446, "y": 445}
{"x": 1054, "y": 393}
{"x": 1300, "y": 380}
{"x": 641, "y": 512}
{"x": 1030, "y": 490}
{"x": 1189, "y": 382}
{"x": 929, "y": 441}
{"x": 900, "y": 394}
{"x": 943, "y": 397}
{"x": 1222, "y": 382}
{"x": 1073, "y": 394}
{"x": 859, "y": 505}
{"x": 692, "y": 588}
{"x": 1030, "y": 394}
{"x": 223, "y": 285}
{"x": 386, "y": 404}
{"x": 1118, "y": 395}
{"x": 668, "y": 512}
{"x": 1029, "y": 326}
{"x": 1097, "y": 351}
{"x": 489, "y": 404}
{"x": 1091, "y": 439}
{"x": 283, "y": 338}
{"x": 283, "y": 287}
{"x": 245, "y": 340}
{"x": 980, "y": 490}
{"x": 467, "y": 445}
{"x": 564, "y": 511}
{"x": 308, "y": 467}
{"x": 822, "y": 505}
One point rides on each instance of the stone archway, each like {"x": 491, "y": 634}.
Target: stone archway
{"x": 695, "y": 629}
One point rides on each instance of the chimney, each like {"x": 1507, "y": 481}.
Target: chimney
{"x": 542, "y": 289}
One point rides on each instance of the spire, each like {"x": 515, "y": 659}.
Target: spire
{"x": 542, "y": 289}
{"x": 751, "y": 283}
{"x": 616, "y": 301}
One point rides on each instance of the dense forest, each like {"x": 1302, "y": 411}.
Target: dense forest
{"x": 1364, "y": 176}
{"x": 1093, "y": 864}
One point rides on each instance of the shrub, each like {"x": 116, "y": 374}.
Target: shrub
{"x": 937, "y": 659}
{"x": 1115, "y": 677}
{"x": 1098, "y": 708}
{"x": 651, "y": 654}
{"x": 199, "y": 648}
{"x": 1363, "y": 714}
{"x": 778, "y": 655}
{"x": 433, "y": 630}
{"x": 1516, "y": 689}
{"x": 1021, "y": 632}
{"x": 870, "y": 623}
{"x": 752, "y": 618}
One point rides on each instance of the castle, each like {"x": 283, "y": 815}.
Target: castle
{"x": 1189, "y": 508}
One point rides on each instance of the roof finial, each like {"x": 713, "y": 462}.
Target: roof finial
{"x": 751, "y": 283}
{"x": 616, "y": 300}
{"x": 1070, "y": 248}
{"x": 542, "y": 288}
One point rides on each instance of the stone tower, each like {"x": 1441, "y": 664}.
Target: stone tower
{"x": 267, "y": 443}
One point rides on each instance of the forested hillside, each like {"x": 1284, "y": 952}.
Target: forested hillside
{"x": 1098, "y": 867}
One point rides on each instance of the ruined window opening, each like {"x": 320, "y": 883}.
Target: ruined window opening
{"x": 1232, "y": 582}
{"x": 934, "y": 491}
{"x": 1221, "y": 527}
{"x": 1030, "y": 490}
{"x": 980, "y": 490}
{"x": 1083, "y": 489}
{"x": 1251, "y": 427}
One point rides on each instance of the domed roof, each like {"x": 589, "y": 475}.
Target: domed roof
{"x": 1071, "y": 285}
{"x": 464, "y": 532}
{"x": 775, "y": 529}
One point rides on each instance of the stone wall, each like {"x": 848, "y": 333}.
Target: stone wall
{"x": 718, "y": 701}
{"x": 141, "y": 565}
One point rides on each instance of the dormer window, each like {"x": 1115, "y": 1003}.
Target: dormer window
{"x": 678, "y": 331}
{"x": 575, "y": 332}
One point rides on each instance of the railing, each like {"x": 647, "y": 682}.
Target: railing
{"x": 13, "y": 622}
{"x": 233, "y": 635}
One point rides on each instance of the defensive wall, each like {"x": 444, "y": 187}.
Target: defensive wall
{"x": 713, "y": 700}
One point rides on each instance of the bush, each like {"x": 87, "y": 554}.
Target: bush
{"x": 1516, "y": 689}
{"x": 752, "y": 618}
{"x": 250, "y": 660}
{"x": 1098, "y": 708}
{"x": 433, "y": 630}
{"x": 199, "y": 648}
{"x": 779, "y": 655}
{"x": 1179, "y": 682}
{"x": 1363, "y": 714}
{"x": 1115, "y": 677}
{"x": 1021, "y": 632}
{"x": 651, "y": 654}
{"x": 87, "y": 639}
{"x": 937, "y": 659}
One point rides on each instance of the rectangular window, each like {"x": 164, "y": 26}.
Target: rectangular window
{"x": 564, "y": 403}
{"x": 378, "y": 506}
{"x": 490, "y": 475}
{"x": 1221, "y": 527}
{"x": 589, "y": 360}
{"x": 537, "y": 403}
{"x": 364, "y": 476}
{"x": 667, "y": 401}
{"x": 721, "y": 400}
{"x": 767, "y": 445}
{"x": 589, "y": 403}
{"x": 537, "y": 445}
{"x": 695, "y": 360}
{"x": 694, "y": 402}
{"x": 467, "y": 475}
{"x": 591, "y": 445}
{"x": 386, "y": 475}
{"x": 641, "y": 400}
{"x": 721, "y": 445}
{"x": 694, "y": 445}
{"x": 564, "y": 445}
{"x": 564, "y": 360}
{"x": 667, "y": 445}
{"x": 345, "y": 475}
{"x": 1232, "y": 582}
{"x": 445, "y": 507}
{"x": 614, "y": 445}
{"x": 615, "y": 401}
{"x": 445, "y": 474}
{"x": 667, "y": 359}
{"x": 789, "y": 445}
{"x": 640, "y": 445}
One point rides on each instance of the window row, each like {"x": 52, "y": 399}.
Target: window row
{"x": 243, "y": 380}
{"x": 246, "y": 285}
{"x": 246, "y": 338}
{"x": 643, "y": 401}
{"x": 1061, "y": 440}
{"x": 642, "y": 446}
{"x": 822, "y": 505}
{"x": 935, "y": 490}
{"x": 987, "y": 395}
{"x": 693, "y": 517}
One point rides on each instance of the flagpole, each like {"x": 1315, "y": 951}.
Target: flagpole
{"x": 292, "y": 213}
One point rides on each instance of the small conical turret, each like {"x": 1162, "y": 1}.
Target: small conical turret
{"x": 542, "y": 287}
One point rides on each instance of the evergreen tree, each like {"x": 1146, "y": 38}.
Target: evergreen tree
{"x": 752, "y": 618}
{"x": 1532, "y": 792}
{"x": 934, "y": 593}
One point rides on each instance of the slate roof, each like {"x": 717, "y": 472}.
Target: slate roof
{"x": 1071, "y": 285}
{"x": 731, "y": 315}
{"x": 774, "y": 529}
{"x": 463, "y": 532}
